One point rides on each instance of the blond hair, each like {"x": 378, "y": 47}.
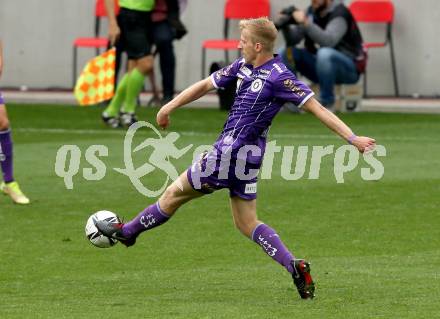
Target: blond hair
{"x": 262, "y": 30}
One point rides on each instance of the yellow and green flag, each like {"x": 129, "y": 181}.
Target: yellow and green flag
{"x": 97, "y": 81}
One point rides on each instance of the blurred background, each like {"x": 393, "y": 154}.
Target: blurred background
{"x": 38, "y": 35}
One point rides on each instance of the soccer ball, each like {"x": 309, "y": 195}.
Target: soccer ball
{"x": 94, "y": 235}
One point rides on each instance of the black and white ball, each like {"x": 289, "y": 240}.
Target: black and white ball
{"x": 94, "y": 235}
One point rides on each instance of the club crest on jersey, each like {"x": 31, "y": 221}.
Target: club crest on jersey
{"x": 256, "y": 85}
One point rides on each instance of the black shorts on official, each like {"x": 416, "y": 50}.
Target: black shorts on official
{"x": 136, "y": 34}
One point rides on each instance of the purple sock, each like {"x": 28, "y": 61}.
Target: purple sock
{"x": 6, "y": 155}
{"x": 149, "y": 218}
{"x": 272, "y": 245}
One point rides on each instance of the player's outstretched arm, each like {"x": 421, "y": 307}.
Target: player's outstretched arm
{"x": 188, "y": 95}
{"x": 333, "y": 122}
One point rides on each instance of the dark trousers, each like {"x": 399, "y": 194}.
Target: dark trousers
{"x": 163, "y": 36}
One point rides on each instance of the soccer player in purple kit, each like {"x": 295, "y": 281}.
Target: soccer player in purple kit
{"x": 264, "y": 84}
{"x": 9, "y": 186}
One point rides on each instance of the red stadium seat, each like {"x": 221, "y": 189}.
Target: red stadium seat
{"x": 377, "y": 11}
{"x": 234, "y": 10}
{"x": 95, "y": 42}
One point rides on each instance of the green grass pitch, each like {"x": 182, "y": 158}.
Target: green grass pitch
{"x": 374, "y": 246}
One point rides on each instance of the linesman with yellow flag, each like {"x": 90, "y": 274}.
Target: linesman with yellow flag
{"x": 130, "y": 31}
{"x": 96, "y": 83}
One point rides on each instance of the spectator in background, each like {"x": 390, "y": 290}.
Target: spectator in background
{"x": 167, "y": 27}
{"x": 9, "y": 186}
{"x": 131, "y": 32}
{"x": 333, "y": 51}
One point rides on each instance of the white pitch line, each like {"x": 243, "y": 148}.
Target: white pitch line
{"x": 330, "y": 136}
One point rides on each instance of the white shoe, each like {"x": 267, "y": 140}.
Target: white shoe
{"x": 13, "y": 190}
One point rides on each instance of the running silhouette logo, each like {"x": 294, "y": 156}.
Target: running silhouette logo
{"x": 163, "y": 149}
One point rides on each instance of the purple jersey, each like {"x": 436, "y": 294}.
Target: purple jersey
{"x": 260, "y": 94}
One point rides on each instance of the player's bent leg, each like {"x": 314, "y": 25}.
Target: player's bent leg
{"x": 177, "y": 194}
{"x": 245, "y": 219}
{"x": 153, "y": 216}
{"x": 9, "y": 186}
{"x": 244, "y": 213}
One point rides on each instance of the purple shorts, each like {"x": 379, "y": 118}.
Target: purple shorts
{"x": 2, "y": 100}
{"x": 210, "y": 173}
